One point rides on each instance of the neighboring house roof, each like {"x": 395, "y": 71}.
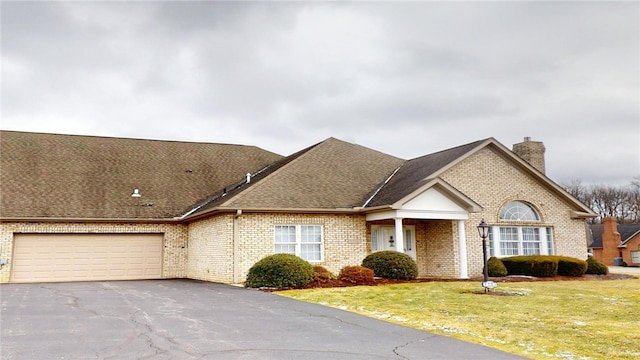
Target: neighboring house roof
{"x": 86, "y": 177}
{"x": 627, "y": 232}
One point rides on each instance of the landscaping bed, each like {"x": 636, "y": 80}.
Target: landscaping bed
{"x": 331, "y": 283}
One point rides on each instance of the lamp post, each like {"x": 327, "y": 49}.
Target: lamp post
{"x": 483, "y": 231}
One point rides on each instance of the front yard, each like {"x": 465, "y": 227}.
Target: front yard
{"x": 559, "y": 319}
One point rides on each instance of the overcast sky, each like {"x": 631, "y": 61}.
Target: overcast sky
{"x": 404, "y": 78}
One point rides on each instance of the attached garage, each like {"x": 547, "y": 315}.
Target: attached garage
{"x": 86, "y": 257}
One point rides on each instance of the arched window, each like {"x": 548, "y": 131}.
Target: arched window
{"x": 522, "y": 239}
{"x": 519, "y": 211}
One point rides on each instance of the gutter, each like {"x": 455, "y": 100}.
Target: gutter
{"x": 90, "y": 220}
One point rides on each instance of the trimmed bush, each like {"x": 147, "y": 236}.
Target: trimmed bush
{"x": 531, "y": 265}
{"x": 280, "y": 271}
{"x": 391, "y": 265}
{"x": 322, "y": 275}
{"x": 496, "y": 268}
{"x": 569, "y": 266}
{"x": 596, "y": 267}
{"x": 358, "y": 275}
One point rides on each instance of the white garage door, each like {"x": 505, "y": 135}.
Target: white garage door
{"x": 84, "y": 257}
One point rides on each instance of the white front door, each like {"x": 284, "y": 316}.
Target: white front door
{"x": 383, "y": 238}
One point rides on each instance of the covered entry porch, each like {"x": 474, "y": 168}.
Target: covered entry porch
{"x": 430, "y": 227}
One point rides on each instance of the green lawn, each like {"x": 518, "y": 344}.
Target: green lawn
{"x": 551, "y": 319}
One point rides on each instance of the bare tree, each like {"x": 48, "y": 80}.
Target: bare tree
{"x": 633, "y": 200}
{"x": 621, "y": 202}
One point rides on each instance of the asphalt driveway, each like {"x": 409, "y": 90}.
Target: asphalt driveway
{"x": 186, "y": 319}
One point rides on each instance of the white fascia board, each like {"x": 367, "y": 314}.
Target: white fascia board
{"x": 382, "y": 215}
{"x": 433, "y": 214}
{"x": 418, "y": 214}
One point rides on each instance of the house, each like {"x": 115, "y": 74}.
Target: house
{"x": 612, "y": 243}
{"x": 97, "y": 208}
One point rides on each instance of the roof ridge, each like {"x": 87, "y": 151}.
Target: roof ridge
{"x": 127, "y": 138}
{"x": 475, "y": 143}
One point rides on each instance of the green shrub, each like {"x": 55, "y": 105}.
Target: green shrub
{"x": 596, "y": 267}
{"x": 321, "y": 274}
{"x": 532, "y": 265}
{"x": 496, "y": 268}
{"x": 569, "y": 266}
{"x": 280, "y": 271}
{"x": 358, "y": 275}
{"x": 391, "y": 265}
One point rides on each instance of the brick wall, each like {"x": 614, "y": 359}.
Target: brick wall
{"x": 492, "y": 181}
{"x": 345, "y": 239}
{"x": 174, "y": 252}
{"x": 438, "y": 246}
{"x": 211, "y": 249}
{"x": 631, "y": 245}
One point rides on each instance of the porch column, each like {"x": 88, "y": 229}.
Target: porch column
{"x": 462, "y": 247}
{"x": 399, "y": 235}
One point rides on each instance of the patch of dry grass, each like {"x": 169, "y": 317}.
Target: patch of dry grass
{"x": 564, "y": 319}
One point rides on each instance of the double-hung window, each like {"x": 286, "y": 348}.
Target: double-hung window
{"x": 523, "y": 235}
{"x": 305, "y": 241}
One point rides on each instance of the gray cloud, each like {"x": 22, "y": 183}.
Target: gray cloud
{"x": 403, "y": 78}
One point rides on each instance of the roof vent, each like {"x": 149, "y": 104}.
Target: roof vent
{"x": 248, "y": 178}
{"x": 136, "y": 193}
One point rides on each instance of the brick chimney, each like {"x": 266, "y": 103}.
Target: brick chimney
{"x": 610, "y": 240}
{"x": 531, "y": 152}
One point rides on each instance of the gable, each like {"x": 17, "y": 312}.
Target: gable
{"x": 435, "y": 200}
{"x": 493, "y": 175}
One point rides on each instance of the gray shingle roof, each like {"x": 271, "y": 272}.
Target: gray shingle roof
{"x": 69, "y": 176}
{"x": 89, "y": 177}
{"x": 330, "y": 175}
{"x": 416, "y": 172}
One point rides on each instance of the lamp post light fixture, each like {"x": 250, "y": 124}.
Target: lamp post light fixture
{"x": 483, "y": 231}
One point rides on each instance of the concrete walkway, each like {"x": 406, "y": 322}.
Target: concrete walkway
{"x": 625, "y": 270}
{"x": 186, "y": 319}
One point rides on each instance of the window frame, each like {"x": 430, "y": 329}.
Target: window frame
{"x": 529, "y": 238}
{"x": 514, "y": 210}
{"x": 298, "y": 242}
{"x": 544, "y": 235}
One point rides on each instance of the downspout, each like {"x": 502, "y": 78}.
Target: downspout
{"x": 236, "y": 265}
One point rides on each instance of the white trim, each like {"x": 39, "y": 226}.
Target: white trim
{"x": 542, "y": 239}
{"x": 462, "y": 246}
{"x": 417, "y": 214}
{"x": 298, "y": 239}
{"x": 399, "y": 235}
